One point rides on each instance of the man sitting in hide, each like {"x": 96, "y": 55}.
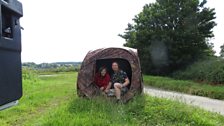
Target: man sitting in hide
{"x": 119, "y": 81}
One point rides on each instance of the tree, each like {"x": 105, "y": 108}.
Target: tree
{"x": 170, "y": 34}
{"x": 222, "y": 51}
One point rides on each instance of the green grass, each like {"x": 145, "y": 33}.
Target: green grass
{"x": 39, "y": 95}
{"x": 143, "y": 110}
{"x": 52, "y": 101}
{"x": 189, "y": 87}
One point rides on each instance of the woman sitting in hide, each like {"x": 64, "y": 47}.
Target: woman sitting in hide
{"x": 102, "y": 79}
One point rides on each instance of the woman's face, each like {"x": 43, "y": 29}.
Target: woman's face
{"x": 103, "y": 72}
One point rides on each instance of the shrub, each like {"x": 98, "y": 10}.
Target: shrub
{"x": 29, "y": 74}
{"x": 210, "y": 70}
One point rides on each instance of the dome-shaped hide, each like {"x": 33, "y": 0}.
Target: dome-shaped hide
{"x": 128, "y": 61}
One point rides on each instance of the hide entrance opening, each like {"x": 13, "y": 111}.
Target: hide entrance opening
{"x": 123, "y": 65}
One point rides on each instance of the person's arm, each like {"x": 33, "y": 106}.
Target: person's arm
{"x": 108, "y": 87}
{"x": 126, "y": 83}
{"x": 107, "y": 80}
{"x": 126, "y": 80}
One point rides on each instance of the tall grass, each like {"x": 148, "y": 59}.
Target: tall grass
{"x": 142, "y": 110}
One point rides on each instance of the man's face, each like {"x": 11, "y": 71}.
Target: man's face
{"x": 115, "y": 67}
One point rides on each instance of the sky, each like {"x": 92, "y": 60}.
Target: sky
{"x": 61, "y": 31}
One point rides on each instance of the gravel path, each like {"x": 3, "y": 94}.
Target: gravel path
{"x": 209, "y": 104}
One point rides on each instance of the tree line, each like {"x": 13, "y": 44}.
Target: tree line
{"x": 54, "y": 67}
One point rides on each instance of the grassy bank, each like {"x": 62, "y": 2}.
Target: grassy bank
{"x": 52, "y": 101}
{"x": 188, "y": 87}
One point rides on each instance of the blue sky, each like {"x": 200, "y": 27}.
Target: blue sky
{"x": 57, "y": 30}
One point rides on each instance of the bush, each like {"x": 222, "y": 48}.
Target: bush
{"x": 59, "y": 69}
{"x": 210, "y": 70}
{"x": 29, "y": 74}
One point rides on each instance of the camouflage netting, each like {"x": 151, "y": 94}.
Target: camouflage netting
{"x": 85, "y": 86}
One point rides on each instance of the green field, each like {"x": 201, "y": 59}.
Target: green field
{"x": 52, "y": 101}
{"x": 189, "y": 87}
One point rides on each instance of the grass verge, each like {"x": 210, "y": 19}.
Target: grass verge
{"x": 189, "y": 87}
{"x": 142, "y": 110}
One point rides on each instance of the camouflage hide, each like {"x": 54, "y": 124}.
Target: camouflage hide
{"x": 85, "y": 86}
